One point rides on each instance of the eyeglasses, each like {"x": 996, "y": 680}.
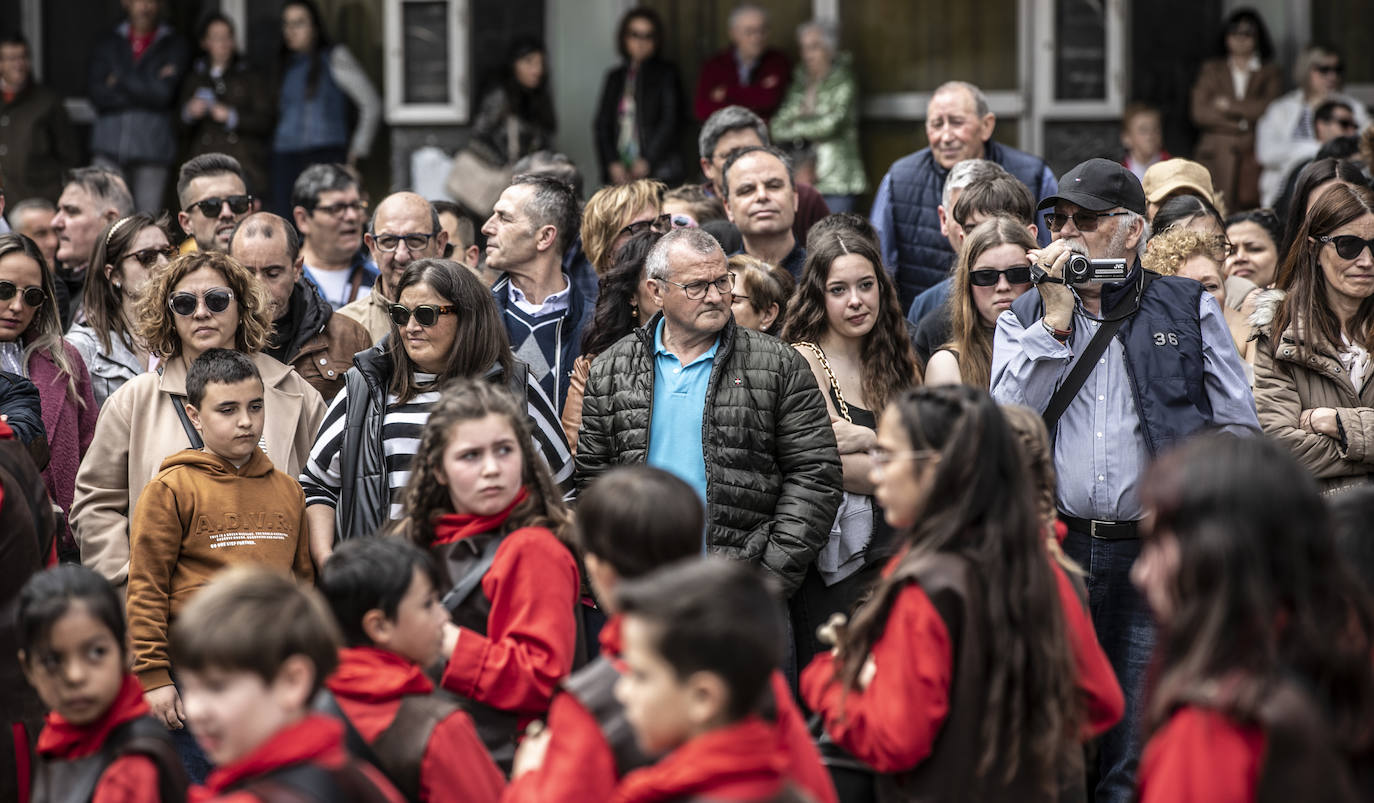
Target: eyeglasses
{"x": 426, "y": 314}
{"x": 1083, "y": 221}
{"x": 338, "y": 209}
{"x": 216, "y": 301}
{"x": 210, "y": 207}
{"x": 1348, "y": 246}
{"x": 882, "y": 458}
{"x": 696, "y": 291}
{"x": 988, "y": 277}
{"x": 33, "y": 296}
{"x": 1328, "y": 69}
{"x": 660, "y": 224}
{"x": 390, "y": 242}
{"x": 1346, "y": 123}
{"x": 148, "y": 256}
{"x": 639, "y": 34}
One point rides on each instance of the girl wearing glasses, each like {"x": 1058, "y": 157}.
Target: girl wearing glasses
{"x": 126, "y": 254}
{"x": 845, "y": 320}
{"x": 199, "y": 301}
{"x": 31, "y": 345}
{"x": 1312, "y": 358}
{"x": 992, "y": 272}
{"x": 445, "y": 326}
{"x": 956, "y": 679}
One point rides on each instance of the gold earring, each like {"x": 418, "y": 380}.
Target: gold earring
{"x": 634, "y": 311}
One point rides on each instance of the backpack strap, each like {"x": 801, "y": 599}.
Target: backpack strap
{"x": 400, "y": 749}
{"x": 311, "y": 783}
{"x": 146, "y": 737}
{"x": 326, "y": 703}
{"x": 179, "y": 404}
{"x": 593, "y": 687}
{"x": 469, "y": 582}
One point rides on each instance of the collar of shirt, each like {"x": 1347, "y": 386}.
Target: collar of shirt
{"x": 555, "y": 303}
{"x": 661, "y": 351}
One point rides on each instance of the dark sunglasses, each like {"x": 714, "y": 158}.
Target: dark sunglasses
{"x": 216, "y": 300}
{"x": 1348, "y": 246}
{"x": 238, "y": 204}
{"x": 1346, "y": 123}
{"x": 426, "y": 314}
{"x": 148, "y": 256}
{"x": 1083, "y": 221}
{"x": 988, "y": 276}
{"x": 1327, "y": 69}
{"x": 33, "y": 296}
{"x": 660, "y": 224}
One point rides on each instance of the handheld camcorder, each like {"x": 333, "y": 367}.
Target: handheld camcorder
{"x": 1082, "y": 270}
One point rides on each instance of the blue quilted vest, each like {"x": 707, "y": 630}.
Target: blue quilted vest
{"x": 1162, "y": 340}
{"x": 918, "y": 182}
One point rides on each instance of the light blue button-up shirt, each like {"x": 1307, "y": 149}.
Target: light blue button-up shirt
{"x": 675, "y": 428}
{"x": 1100, "y": 452}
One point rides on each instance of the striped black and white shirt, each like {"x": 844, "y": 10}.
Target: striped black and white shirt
{"x": 401, "y": 428}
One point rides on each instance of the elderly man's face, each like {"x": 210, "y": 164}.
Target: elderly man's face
{"x": 78, "y": 222}
{"x": 36, "y": 224}
{"x": 954, "y": 129}
{"x": 693, "y": 317}
{"x": 749, "y": 34}
{"x": 397, "y": 219}
{"x": 1110, "y": 238}
{"x": 266, "y": 257}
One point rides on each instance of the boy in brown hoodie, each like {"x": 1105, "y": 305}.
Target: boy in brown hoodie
{"x": 225, "y": 505}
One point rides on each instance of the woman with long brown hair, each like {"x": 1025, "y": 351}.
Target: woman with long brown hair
{"x": 845, "y": 320}
{"x": 992, "y": 272}
{"x": 955, "y": 680}
{"x": 483, "y": 503}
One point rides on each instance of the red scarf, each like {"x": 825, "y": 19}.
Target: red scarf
{"x": 610, "y": 636}
{"x": 64, "y": 741}
{"x": 742, "y": 761}
{"x": 452, "y": 527}
{"x": 374, "y": 675}
{"x": 140, "y": 42}
{"x": 317, "y": 739}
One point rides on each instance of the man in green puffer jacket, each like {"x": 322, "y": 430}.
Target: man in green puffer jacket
{"x": 735, "y": 413}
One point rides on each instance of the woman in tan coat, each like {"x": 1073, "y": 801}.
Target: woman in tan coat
{"x": 201, "y": 300}
{"x": 1312, "y": 363}
{"x": 1230, "y": 95}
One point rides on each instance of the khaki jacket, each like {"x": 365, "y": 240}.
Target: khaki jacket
{"x": 326, "y": 357}
{"x": 1286, "y": 385}
{"x": 372, "y": 312}
{"x": 138, "y": 428}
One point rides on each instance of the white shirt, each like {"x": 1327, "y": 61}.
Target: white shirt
{"x": 1240, "y": 78}
{"x": 556, "y": 302}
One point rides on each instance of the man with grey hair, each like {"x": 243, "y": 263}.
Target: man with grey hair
{"x": 32, "y": 217}
{"x": 404, "y": 228}
{"x": 735, "y": 413}
{"x": 731, "y": 129}
{"x": 1157, "y": 365}
{"x": 329, "y": 212}
{"x": 92, "y": 198}
{"x": 747, "y": 73}
{"x": 959, "y": 126}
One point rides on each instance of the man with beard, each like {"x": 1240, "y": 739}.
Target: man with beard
{"x": 213, "y": 199}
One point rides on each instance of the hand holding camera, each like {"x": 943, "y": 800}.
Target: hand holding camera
{"x": 1056, "y": 296}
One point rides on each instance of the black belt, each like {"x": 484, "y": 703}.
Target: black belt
{"x": 1106, "y": 530}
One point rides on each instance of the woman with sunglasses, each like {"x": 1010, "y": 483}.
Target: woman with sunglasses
{"x": 31, "y": 346}
{"x": 126, "y": 254}
{"x": 445, "y": 326}
{"x": 200, "y": 301}
{"x": 992, "y": 272}
{"x": 1312, "y": 359}
{"x": 615, "y": 214}
{"x": 845, "y": 320}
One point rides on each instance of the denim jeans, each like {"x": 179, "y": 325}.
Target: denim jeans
{"x": 1126, "y": 631}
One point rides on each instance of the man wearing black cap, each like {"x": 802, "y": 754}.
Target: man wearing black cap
{"x": 1163, "y": 369}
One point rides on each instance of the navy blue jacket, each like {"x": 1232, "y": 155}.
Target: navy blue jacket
{"x": 581, "y": 307}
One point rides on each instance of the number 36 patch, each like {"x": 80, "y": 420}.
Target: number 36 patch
{"x": 1166, "y": 338}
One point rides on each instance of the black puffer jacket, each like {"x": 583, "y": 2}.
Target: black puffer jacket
{"x": 772, "y": 469}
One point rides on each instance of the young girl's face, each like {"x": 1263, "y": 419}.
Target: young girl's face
{"x": 901, "y": 475}
{"x": 80, "y": 669}
{"x": 851, "y": 296}
{"x": 482, "y": 465}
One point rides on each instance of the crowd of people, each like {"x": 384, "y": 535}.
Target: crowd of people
{"x": 1022, "y": 487}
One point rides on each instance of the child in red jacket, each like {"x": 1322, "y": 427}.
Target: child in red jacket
{"x": 253, "y": 648}
{"x": 1263, "y": 687}
{"x": 99, "y": 743}
{"x": 702, "y": 640}
{"x": 484, "y": 505}
{"x": 383, "y": 593}
{"x": 630, "y": 522}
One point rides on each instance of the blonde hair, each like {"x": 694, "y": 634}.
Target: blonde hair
{"x": 969, "y": 339}
{"x": 1168, "y": 250}
{"x": 763, "y": 285}
{"x": 609, "y": 211}
{"x": 157, "y": 324}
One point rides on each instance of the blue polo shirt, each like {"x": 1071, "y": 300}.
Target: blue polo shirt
{"x": 679, "y": 404}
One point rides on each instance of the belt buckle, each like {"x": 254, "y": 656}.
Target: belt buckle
{"x": 1092, "y": 531}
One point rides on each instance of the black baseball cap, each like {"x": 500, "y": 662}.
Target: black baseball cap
{"x": 1098, "y": 185}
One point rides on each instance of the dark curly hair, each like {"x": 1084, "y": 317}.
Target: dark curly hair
{"x": 615, "y": 313}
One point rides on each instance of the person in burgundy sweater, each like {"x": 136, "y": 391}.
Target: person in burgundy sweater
{"x": 384, "y": 593}
{"x": 73, "y": 652}
{"x": 630, "y": 522}
{"x": 702, "y": 645}
{"x": 1263, "y": 686}
{"x": 485, "y": 506}
{"x": 747, "y": 73}
{"x": 957, "y": 678}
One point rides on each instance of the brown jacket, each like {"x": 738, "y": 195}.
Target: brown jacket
{"x": 139, "y": 427}
{"x": 198, "y": 516}
{"x": 1287, "y": 384}
{"x": 37, "y": 144}
{"x": 372, "y": 312}
{"x": 325, "y": 358}
{"x": 572, "y": 405}
{"x": 1227, "y": 144}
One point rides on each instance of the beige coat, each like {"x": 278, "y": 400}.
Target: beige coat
{"x": 372, "y": 312}
{"x": 1286, "y": 385}
{"x": 138, "y": 428}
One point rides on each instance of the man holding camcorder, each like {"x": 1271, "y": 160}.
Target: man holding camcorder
{"x": 1122, "y": 363}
